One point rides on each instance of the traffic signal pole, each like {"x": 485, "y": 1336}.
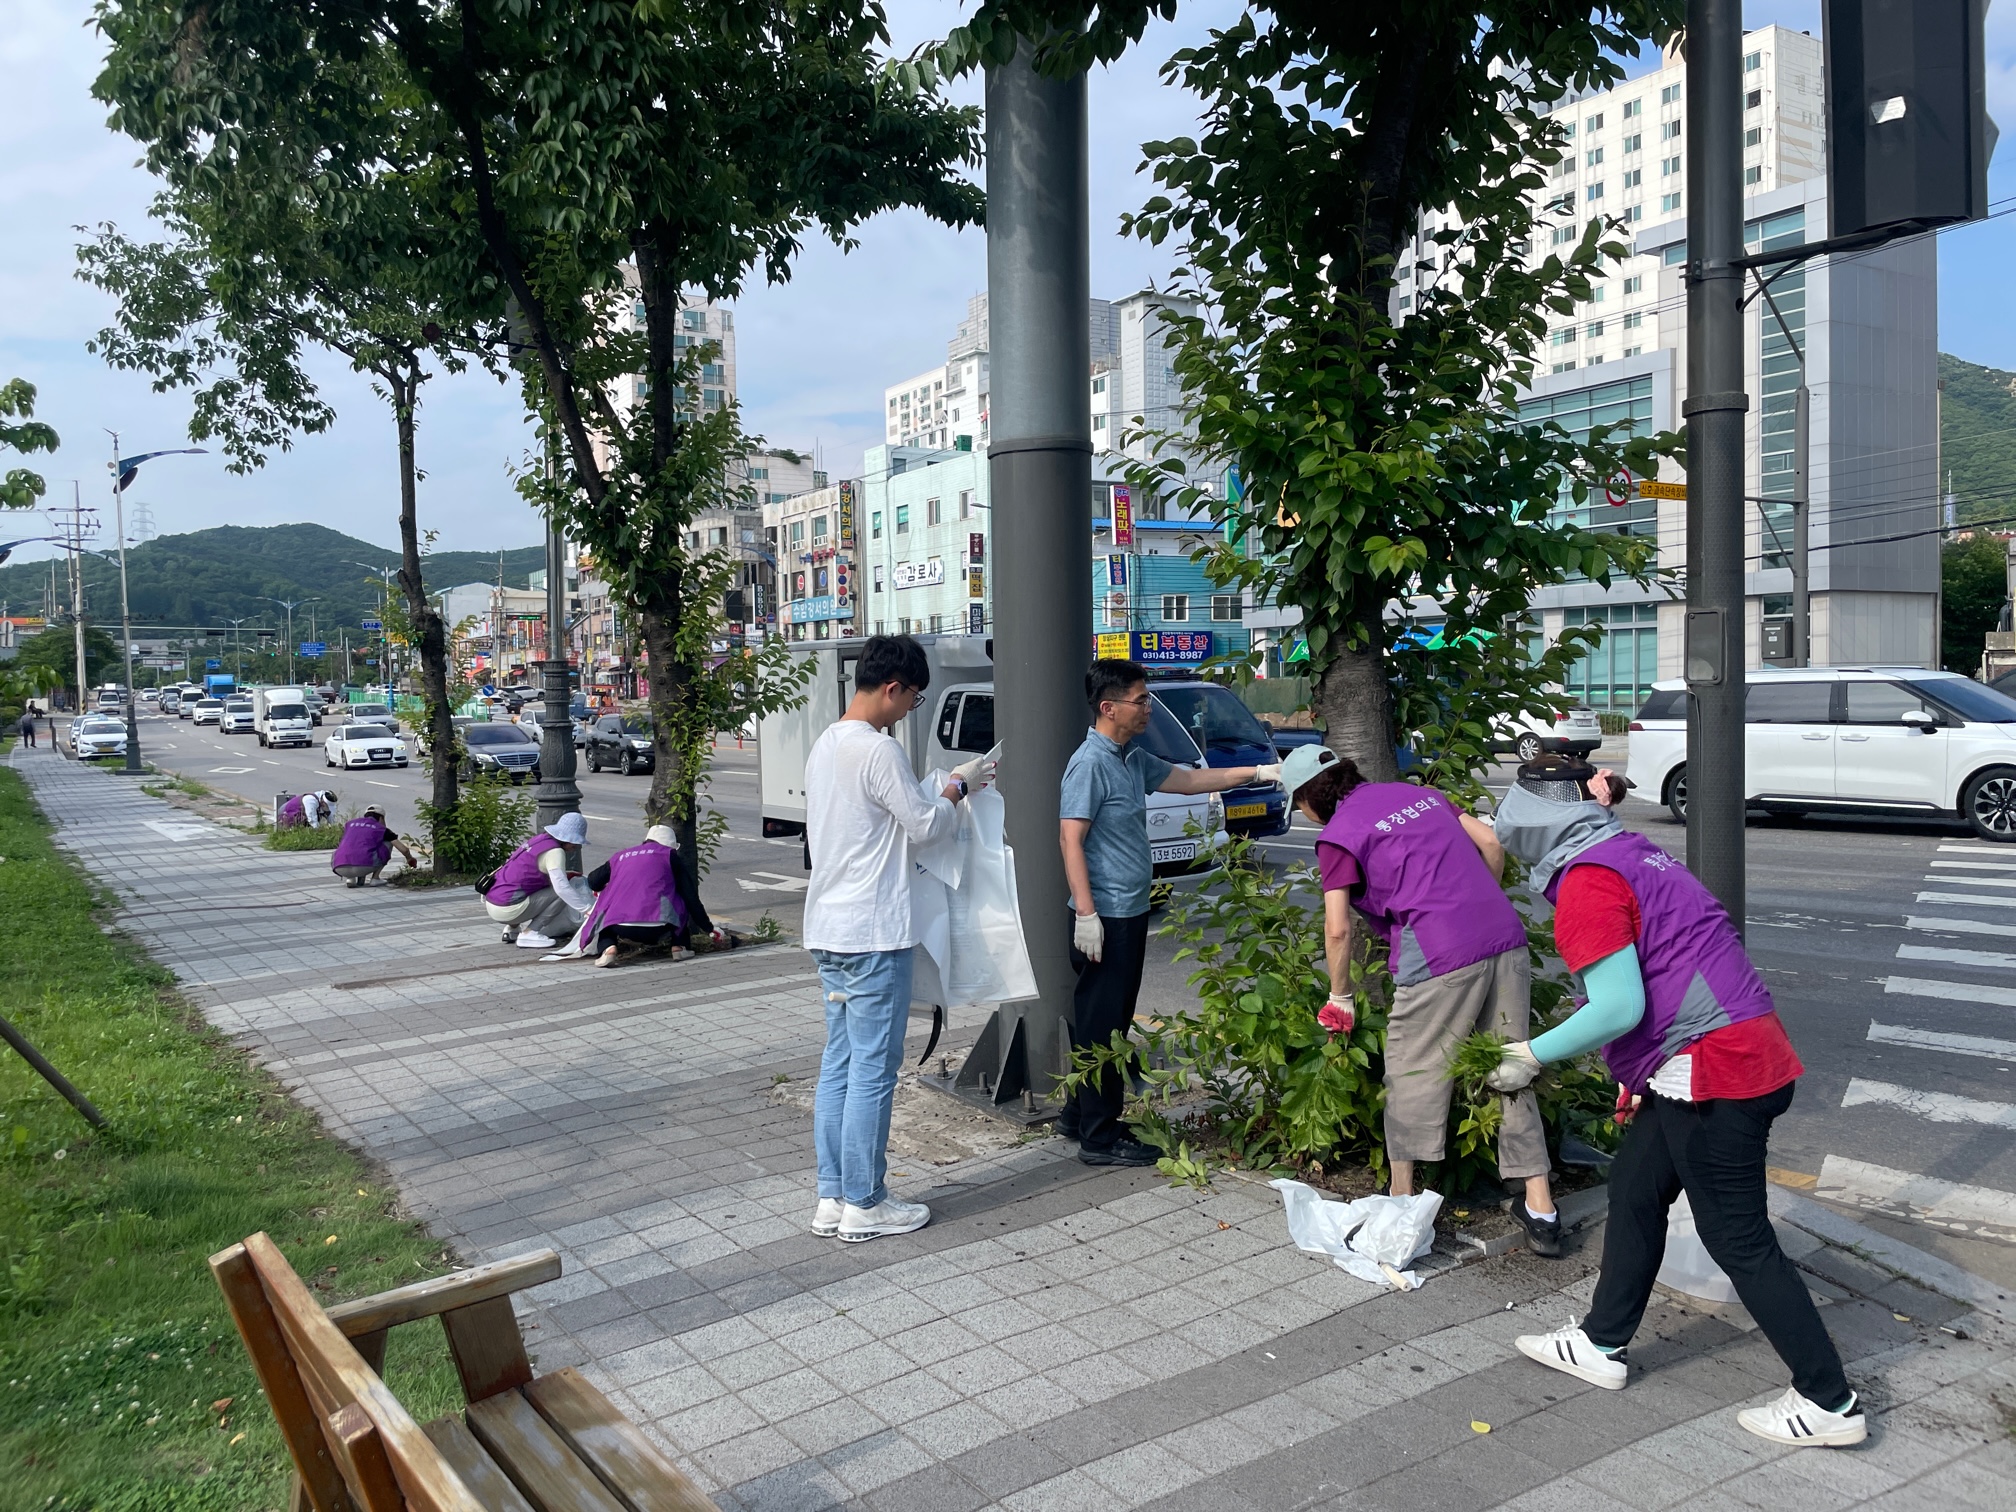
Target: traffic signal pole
{"x": 1715, "y": 408}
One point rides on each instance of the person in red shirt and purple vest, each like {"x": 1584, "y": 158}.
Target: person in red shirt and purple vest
{"x": 364, "y": 848}
{"x": 1689, "y": 1029}
{"x": 644, "y": 899}
{"x": 1424, "y": 874}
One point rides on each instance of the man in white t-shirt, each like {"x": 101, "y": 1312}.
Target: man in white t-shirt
{"x": 864, "y": 811}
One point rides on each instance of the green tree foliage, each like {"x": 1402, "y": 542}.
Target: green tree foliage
{"x": 1974, "y": 585}
{"x": 1977, "y": 438}
{"x": 49, "y": 659}
{"x": 21, "y": 432}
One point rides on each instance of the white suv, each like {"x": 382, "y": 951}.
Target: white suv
{"x": 1897, "y": 740}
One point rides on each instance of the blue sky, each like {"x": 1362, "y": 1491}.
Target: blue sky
{"x": 815, "y": 354}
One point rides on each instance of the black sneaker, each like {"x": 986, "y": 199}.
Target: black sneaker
{"x": 1543, "y": 1235}
{"x": 1122, "y": 1152}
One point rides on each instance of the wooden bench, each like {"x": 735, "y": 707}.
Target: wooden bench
{"x": 550, "y": 1443}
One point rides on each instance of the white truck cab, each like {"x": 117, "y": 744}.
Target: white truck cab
{"x": 280, "y": 717}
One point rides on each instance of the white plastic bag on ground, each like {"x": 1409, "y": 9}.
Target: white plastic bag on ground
{"x": 1688, "y": 1266}
{"x": 1373, "y": 1238}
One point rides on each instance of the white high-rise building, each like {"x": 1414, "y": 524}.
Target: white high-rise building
{"x": 1865, "y": 323}
{"x": 700, "y": 321}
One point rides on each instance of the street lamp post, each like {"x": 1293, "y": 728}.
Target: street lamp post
{"x": 384, "y": 604}
{"x": 290, "y": 605}
{"x": 133, "y": 765}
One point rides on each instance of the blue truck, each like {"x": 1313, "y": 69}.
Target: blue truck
{"x": 219, "y": 685}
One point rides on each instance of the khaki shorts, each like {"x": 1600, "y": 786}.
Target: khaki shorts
{"x": 1428, "y": 1020}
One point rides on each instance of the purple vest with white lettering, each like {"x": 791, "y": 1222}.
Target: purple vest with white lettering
{"x": 365, "y": 842}
{"x": 1698, "y": 977}
{"x": 1424, "y": 886}
{"x": 520, "y": 877}
{"x": 641, "y": 890}
{"x": 292, "y": 815}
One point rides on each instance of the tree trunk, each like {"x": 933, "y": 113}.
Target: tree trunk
{"x": 674, "y": 768}
{"x": 429, "y": 630}
{"x": 1352, "y": 699}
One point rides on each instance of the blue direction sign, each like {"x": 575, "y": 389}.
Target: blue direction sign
{"x": 374, "y": 624}
{"x": 211, "y": 664}
{"x": 313, "y": 648}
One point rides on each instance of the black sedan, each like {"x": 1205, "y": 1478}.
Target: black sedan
{"x": 622, "y": 741}
{"x": 502, "y": 749}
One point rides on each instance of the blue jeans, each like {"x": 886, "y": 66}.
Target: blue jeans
{"x": 867, "y": 1009}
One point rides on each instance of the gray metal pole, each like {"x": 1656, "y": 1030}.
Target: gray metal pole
{"x": 558, "y": 793}
{"x": 133, "y": 766}
{"x": 1040, "y": 470}
{"x": 1802, "y": 522}
{"x": 1715, "y": 407}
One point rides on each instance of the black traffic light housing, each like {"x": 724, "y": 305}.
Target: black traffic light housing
{"x": 735, "y": 605}
{"x": 1908, "y": 135}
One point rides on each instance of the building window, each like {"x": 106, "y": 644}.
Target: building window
{"x": 712, "y": 398}
{"x": 1595, "y": 329}
{"x": 1634, "y": 320}
{"x": 902, "y": 519}
{"x": 1098, "y": 422}
{"x": 757, "y": 474}
{"x": 1635, "y": 142}
{"x": 1633, "y": 109}
{"x": 1633, "y": 177}
{"x": 1753, "y": 136}
{"x": 875, "y": 526}
{"x": 1753, "y": 99}
{"x": 693, "y": 320}
{"x": 717, "y": 535}
{"x": 1099, "y": 385}
{"x": 934, "y": 512}
{"x": 878, "y": 577}
{"x": 937, "y": 624}
{"x": 1176, "y": 607}
{"x": 1229, "y": 606}
{"x": 1594, "y": 123}
{"x": 1752, "y": 62}
{"x": 1670, "y": 166}
{"x": 1635, "y": 284}
{"x": 1594, "y": 191}
{"x": 1592, "y": 157}
{"x": 965, "y": 503}
{"x": 797, "y": 534}
{"x": 1406, "y": 301}
{"x": 1633, "y": 351}
{"x": 1753, "y": 175}
{"x": 1565, "y": 367}
{"x": 818, "y": 530}
{"x": 1671, "y": 93}
{"x": 1563, "y": 234}
{"x": 1565, "y": 336}
{"x": 1634, "y": 212}
{"x": 1568, "y": 128}
{"x": 1669, "y": 202}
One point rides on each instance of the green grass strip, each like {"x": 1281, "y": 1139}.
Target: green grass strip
{"x": 115, "y": 1347}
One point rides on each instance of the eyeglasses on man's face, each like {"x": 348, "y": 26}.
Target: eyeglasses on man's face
{"x": 915, "y": 695}
{"x": 1131, "y": 703}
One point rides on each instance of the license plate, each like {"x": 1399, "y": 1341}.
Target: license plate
{"x": 1182, "y": 850}
{"x": 1246, "y": 811}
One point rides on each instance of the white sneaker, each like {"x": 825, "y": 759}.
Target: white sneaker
{"x": 1570, "y": 1351}
{"x": 826, "y": 1217}
{"x": 531, "y": 939}
{"x": 889, "y": 1216}
{"x": 1794, "y": 1420}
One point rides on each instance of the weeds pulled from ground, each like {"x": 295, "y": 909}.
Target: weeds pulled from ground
{"x": 123, "y": 1387}
{"x": 1246, "y": 1074}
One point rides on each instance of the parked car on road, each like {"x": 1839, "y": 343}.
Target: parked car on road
{"x": 622, "y": 741}
{"x": 1890, "y": 740}
{"x": 95, "y": 735}
{"x": 363, "y": 745}
{"x": 207, "y": 711}
{"x": 507, "y": 749}
{"x": 240, "y": 717}
{"x": 1221, "y": 726}
{"x": 1575, "y": 732}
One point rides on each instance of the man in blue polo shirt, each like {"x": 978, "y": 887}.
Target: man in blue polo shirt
{"x": 1103, "y": 829}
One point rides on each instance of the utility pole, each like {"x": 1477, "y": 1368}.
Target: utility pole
{"x": 1715, "y": 407}
{"x": 133, "y": 766}
{"x": 75, "y": 541}
{"x": 237, "y": 656}
{"x": 558, "y": 792}
{"x": 1040, "y": 470}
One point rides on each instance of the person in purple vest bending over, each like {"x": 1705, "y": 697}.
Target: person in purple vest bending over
{"x": 644, "y": 899}
{"x": 307, "y": 810}
{"x": 365, "y": 848}
{"x": 531, "y": 894}
{"x": 1425, "y": 875}
{"x": 1688, "y": 1027}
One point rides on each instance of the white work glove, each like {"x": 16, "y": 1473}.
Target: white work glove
{"x": 1269, "y": 772}
{"x": 976, "y": 773}
{"x": 1088, "y": 935}
{"x": 1516, "y": 1071}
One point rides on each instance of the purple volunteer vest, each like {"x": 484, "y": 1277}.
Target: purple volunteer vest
{"x": 365, "y": 842}
{"x": 520, "y": 877}
{"x": 641, "y": 890}
{"x": 292, "y": 815}
{"x": 1424, "y": 887}
{"x": 1698, "y": 977}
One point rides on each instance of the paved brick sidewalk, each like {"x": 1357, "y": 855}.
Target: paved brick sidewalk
{"x": 1058, "y": 1338}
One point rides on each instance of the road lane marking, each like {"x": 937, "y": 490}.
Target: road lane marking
{"x": 1996, "y": 959}
{"x": 1934, "y": 1107}
{"x": 1953, "y": 992}
{"x": 1973, "y": 898}
{"x": 1943, "y": 1204}
{"x": 1959, "y": 926}
{"x": 776, "y": 883}
{"x": 1950, "y": 1044}
{"x": 605, "y": 819}
{"x": 376, "y": 783}
{"x": 1973, "y": 881}
{"x": 1974, "y": 850}
{"x": 229, "y": 771}
{"x": 1977, "y": 865}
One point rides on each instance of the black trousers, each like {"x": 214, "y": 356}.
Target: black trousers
{"x": 1102, "y": 1002}
{"x": 1714, "y": 1152}
{"x": 637, "y": 934}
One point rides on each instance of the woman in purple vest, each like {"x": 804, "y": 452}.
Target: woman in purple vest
{"x": 306, "y": 810}
{"x": 644, "y": 899}
{"x": 1424, "y": 874}
{"x": 1688, "y": 1027}
{"x": 531, "y": 894}
{"x": 365, "y": 847}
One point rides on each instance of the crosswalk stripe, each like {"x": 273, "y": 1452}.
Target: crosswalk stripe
{"x": 1974, "y": 850}
{"x": 1955, "y": 992}
{"x": 1976, "y": 865}
{"x": 1999, "y": 960}
{"x": 1951, "y": 1044}
{"x": 1944, "y": 881}
{"x": 1973, "y": 898}
{"x": 1959, "y": 926}
{"x": 1935, "y": 1107}
{"x": 1944, "y": 1204}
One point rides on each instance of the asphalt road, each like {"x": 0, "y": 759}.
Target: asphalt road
{"x": 1890, "y": 947}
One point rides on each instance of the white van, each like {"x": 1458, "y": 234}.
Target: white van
{"x": 280, "y": 717}
{"x": 1184, "y": 832}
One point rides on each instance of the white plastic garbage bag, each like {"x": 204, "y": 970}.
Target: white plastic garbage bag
{"x": 1373, "y": 1238}
{"x": 966, "y": 913}
{"x": 1688, "y": 1266}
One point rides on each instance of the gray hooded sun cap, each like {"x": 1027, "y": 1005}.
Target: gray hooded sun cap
{"x": 1547, "y": 832}
{"x": 569, "y": 829}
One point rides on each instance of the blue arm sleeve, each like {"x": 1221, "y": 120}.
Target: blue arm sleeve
{"x": 1616, "y": 1003}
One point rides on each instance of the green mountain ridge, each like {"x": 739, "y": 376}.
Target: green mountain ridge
{"x": 1977, "y": 438}
{"x": 210, "y": 577}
